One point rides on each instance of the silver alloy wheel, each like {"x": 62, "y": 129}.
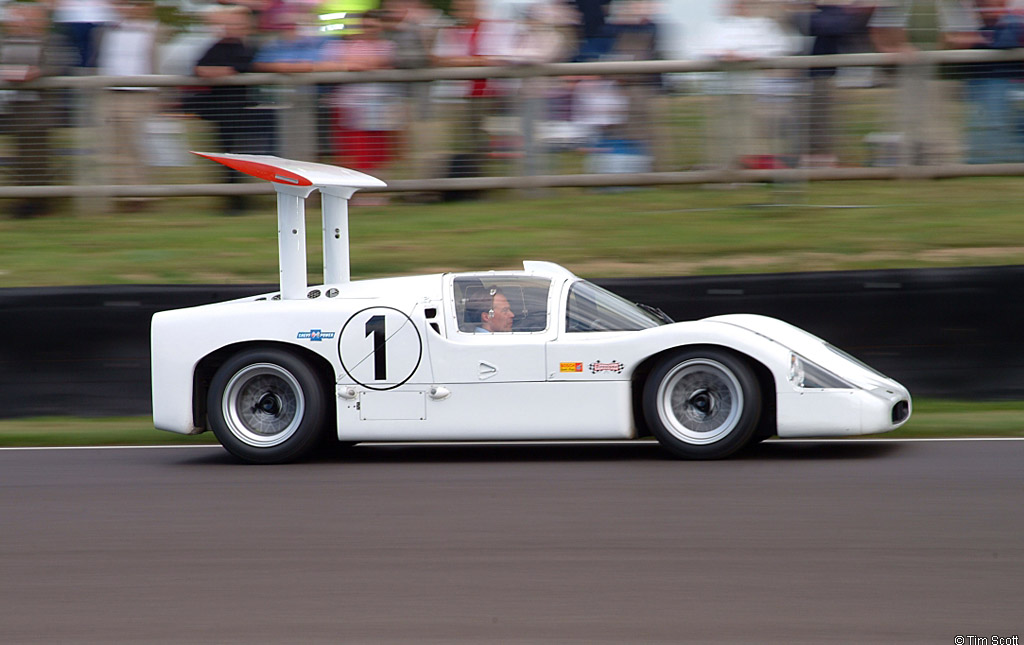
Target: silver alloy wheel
{"x": 263, "y": 405}
{"x": 700, "y": 401}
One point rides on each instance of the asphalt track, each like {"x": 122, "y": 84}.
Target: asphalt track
{"x": 796, "y": 542}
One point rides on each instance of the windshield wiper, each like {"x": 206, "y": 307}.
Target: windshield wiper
{"x": 657, "y": 313}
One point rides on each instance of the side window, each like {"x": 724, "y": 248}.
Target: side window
{"x": 501, "y": 305}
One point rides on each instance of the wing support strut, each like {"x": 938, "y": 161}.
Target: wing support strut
{"x": 294, "y": 181}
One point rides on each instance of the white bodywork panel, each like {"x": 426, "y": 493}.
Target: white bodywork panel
{"x": 444, "y": 384}
{"x": 505, "y": 411}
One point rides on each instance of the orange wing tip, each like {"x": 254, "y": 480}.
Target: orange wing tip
{"x": 258, "y": 169}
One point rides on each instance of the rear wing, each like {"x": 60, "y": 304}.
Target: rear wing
{"x": 294, "y": 181}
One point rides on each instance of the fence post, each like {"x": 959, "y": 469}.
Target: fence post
{"x": 920, "y": 110}
{"x": 89, "y": 157}
{"x": 530, "y": 109}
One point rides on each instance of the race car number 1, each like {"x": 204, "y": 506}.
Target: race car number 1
{"x": 380, "y": 348}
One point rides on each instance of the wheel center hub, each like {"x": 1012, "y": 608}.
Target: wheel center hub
{"x": 702, "y": 402}
{"x": 269, "y": 404}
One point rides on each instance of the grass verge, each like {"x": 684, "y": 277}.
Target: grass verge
{"x": 681, "y": 230}
{"x": 932, "y": 418}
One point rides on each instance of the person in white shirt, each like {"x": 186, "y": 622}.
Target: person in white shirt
{"x": 128, "y": 48}
{"x": 747, "y": 119}
{"x": 79, "y": 20}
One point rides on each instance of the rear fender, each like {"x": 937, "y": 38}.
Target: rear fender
{"x": 209, "y": 364}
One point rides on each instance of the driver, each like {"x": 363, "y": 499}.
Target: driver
{"x": 491, "y": 312}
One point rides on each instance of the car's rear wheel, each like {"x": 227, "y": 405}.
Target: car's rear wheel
{"x": 267, "y": 406}
{"x": 702, "y": 403}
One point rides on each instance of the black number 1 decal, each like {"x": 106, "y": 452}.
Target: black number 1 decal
{"x": 375, "y": 326}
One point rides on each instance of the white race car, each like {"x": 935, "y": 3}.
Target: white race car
{"x": 498, "y": 355}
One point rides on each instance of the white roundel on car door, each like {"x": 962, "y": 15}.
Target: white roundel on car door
{"x": 380, "y": 348}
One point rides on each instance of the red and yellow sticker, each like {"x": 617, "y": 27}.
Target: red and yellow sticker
{"x": 570, "y": 367}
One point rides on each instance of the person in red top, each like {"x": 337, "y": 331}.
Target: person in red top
{"x": 476, "y": 42}
{"x": 367, "y": 116}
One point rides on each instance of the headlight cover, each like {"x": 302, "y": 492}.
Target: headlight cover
{"x": 805, "y": 374}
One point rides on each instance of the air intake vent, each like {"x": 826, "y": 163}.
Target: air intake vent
{"x": 900, "y": 412}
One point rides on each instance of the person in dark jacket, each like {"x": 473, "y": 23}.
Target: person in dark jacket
{"x": 833, "y": 28}
{"x": 239, "y": 127}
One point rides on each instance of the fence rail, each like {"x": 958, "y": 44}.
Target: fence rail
{"x": 649, "y": 123}
{"x": 607, "y": 68}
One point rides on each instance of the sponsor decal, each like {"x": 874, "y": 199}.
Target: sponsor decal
{"x": 315, "y": 335}
{"x": 570, "y": 367}
{"x": 611, "y": 366}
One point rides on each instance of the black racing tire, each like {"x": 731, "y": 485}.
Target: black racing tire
{"x": 267, "y": 406}
{"x": 702, "y": 403}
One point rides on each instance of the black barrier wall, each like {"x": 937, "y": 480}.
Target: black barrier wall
{"x": 951, "y": 333}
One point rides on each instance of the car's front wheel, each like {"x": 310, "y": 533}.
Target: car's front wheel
{"x": 702, "y": 403}
{"x": 267, "y": 406}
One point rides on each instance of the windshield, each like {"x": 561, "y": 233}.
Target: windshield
{"x": 592, "y": 308}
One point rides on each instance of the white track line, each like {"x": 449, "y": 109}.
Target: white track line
{"x": 623, "y": 442}
{"x": 161, "y": 447}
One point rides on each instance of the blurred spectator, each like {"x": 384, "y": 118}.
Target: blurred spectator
{"x": 743, "y": 34}
{"x": 929, "y": 126}
{"x": 636, "y": 38}
{"x": 475, "y": 42}
{"x": 293, "y": 44}
{"x": 958, "y": 22}
{"x": 833, "y": 28}
{"x": 28, "y": 51}
{"x": 257, "y": 8}
{"x": 548, "y": 36}
{"x": 748, "y": 114}
{"x": 600, "y": 110}
{"x": 596, "y": 36}
{"x": 598, "y": 105}
{"x": 411, "y": 25}
{"x": 239, "y": 127}
{"x": 995, "y": 131}
{"x": 367, "y": 115}
{"x": 78, "y": 20}
{"x": 549, "y": 33}
{"x": 635, "y": 30}
{"x": 128, "y": 47}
